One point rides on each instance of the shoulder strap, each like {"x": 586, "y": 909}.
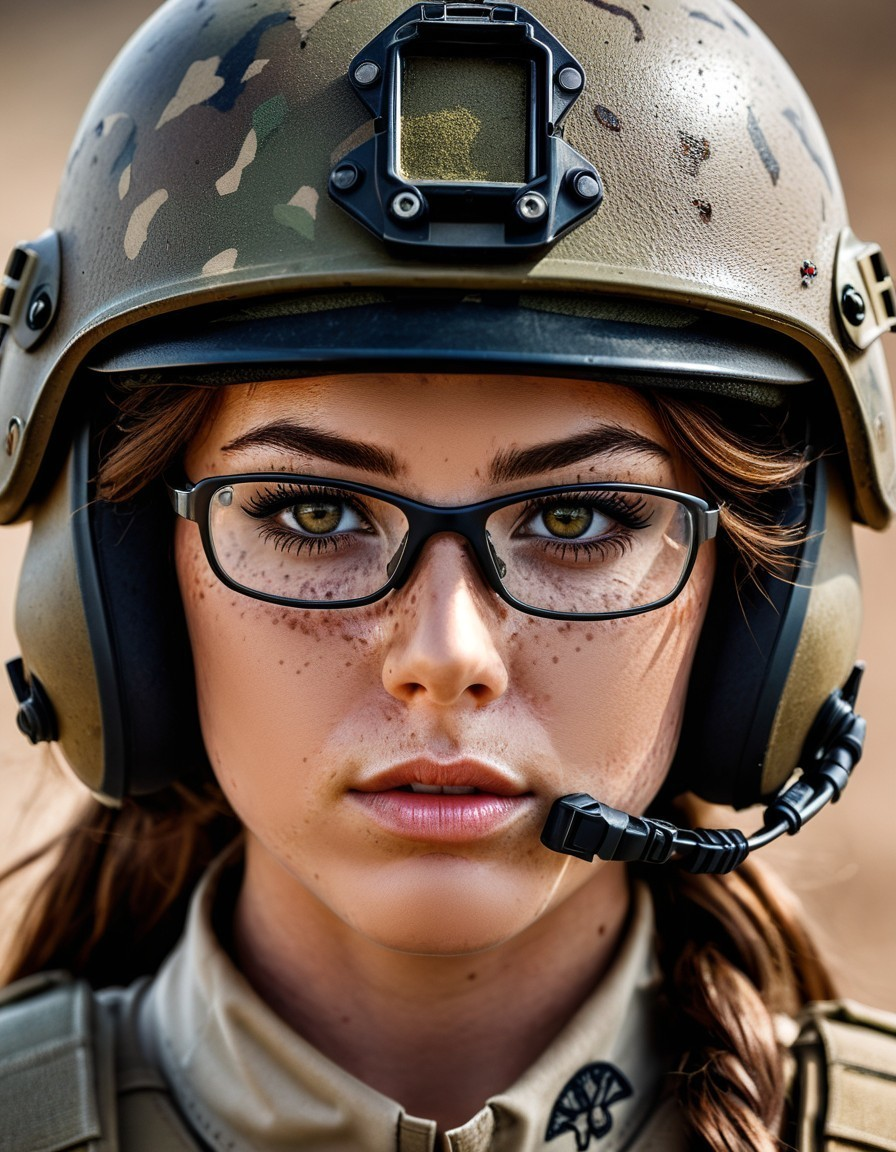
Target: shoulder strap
{"x": 74, "y": 1076}
{"x": 845, "y": 1090}
{"x": 148, "y": 1119}
{"x": 56, "y": 1068}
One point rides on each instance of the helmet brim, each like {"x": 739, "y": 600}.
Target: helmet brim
{"x": 643, "y": 345}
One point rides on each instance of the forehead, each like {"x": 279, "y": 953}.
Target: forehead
{"x": 467, "y": 413}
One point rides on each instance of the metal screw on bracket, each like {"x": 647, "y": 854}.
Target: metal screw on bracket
{"x": 531, "y": 207}
{"x": 14, "y": 435}
{"x": 406, "y": 206}
{"x": 367, "y": 73}
{"x": 853, "y": 304}
{"x": 39, "y": 311}
{"x": 570, "y": 79}
{"x": 587, "y": 186}
{"x": 345, "y": 177}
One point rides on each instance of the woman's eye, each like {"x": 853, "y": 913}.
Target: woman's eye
{"x": 320, "y": 517}
{"x": 568, "y": 521}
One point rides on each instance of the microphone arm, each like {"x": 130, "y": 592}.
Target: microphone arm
{"x": 581, "y": 826}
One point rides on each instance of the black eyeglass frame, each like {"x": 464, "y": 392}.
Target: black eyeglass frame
{"x": 193, "y": 502}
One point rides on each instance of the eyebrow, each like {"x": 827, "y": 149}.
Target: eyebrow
{"x": 307, "y": 440}
{"x": 510, "y": 464}
{"x": 603, "y": 440}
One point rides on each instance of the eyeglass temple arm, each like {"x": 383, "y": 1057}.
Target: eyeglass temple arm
{"x": 182, "y": 500}
{"x": 707, "y": 525}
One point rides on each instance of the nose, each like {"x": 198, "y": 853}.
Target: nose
{"x": 444, "y": 647}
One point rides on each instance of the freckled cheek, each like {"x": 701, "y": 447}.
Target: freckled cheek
{"x": 272, "y": 682}
{"x": 610, "y": 693}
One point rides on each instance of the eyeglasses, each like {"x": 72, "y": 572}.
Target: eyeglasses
{"x": 588, "y": 552}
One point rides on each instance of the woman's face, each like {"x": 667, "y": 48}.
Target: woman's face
{"x": 320, "y": 724}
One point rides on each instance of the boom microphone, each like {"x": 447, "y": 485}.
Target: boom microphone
{"x": 581, "y": 826}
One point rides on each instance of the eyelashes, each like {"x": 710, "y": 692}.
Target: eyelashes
{"x": 625, "y": 508}
{"x": 568, "y": 525}
{"x": 330, "y": 514}
{"x": 279, "y": 496}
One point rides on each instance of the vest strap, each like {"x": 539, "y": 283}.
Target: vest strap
{"x": 50, "y": 1053}
{"x": 846, "y": 1079}
{"x": 73, "y": 1074}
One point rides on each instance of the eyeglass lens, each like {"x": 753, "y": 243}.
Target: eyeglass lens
{"x": 572, "y": 551}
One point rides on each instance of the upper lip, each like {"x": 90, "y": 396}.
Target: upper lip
{"x": 451, "y": 773}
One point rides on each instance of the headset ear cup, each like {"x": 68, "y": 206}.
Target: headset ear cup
{"x": 54, "y": 635}
{"x": 139, "y": 637}
{"x": 828, "y": 642}
{"x": 101, "y": 625}
{"x": 721, "y": 745}
{"x": 758, "y": 678}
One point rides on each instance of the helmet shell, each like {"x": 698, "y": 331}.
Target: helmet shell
{"x": 200, "y": 174}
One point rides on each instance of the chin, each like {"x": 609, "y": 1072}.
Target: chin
{"x": 441, "y": 905}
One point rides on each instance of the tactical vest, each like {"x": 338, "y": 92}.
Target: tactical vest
{"x": 73, "y": 1077}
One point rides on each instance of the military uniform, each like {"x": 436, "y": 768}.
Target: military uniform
{"x": 194, "y": 1061}
{"x": 246, "y": 1080}
{"x": 197, "y": 1046}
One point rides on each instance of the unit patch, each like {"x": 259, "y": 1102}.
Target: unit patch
{"x": 583, "y": 1106}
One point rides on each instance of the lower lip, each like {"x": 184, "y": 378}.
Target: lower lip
{"x": 441, "y": 817}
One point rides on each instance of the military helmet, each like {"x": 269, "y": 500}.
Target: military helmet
{"x": 635, "y": 193}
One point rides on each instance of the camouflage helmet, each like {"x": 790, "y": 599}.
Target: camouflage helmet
{"x": 641, "y": 193}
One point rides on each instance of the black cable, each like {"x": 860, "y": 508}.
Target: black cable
{"x": 578, "y": 825}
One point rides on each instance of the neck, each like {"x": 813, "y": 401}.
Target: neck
{"x": 433, "y": 1033}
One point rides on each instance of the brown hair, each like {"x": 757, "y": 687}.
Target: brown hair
{"x": 735, "y": 954}
{"x": 733, "y": 948}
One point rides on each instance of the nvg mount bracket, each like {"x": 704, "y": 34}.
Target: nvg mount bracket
{"x": 466, "y": 154}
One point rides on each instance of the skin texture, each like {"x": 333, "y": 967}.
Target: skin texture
{"x": 368, "y": 941}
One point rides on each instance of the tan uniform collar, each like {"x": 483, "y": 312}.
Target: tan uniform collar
{"x": 246, "y": 1081}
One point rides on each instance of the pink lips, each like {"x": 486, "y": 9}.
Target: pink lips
{"x": 450, "y": 816}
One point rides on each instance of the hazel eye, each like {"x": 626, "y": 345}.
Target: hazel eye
{"x": 320, "y": 517}
{"x": 568, "y": 521}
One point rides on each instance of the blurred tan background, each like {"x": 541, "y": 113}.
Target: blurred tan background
{"x": 51, "y": 55}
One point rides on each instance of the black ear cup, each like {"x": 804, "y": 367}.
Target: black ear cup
{"x": 744, "y": 660}
{"x": 138, "y": 637}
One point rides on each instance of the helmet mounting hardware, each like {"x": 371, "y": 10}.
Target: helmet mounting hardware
{"x": 853, "y": 304}
{"x": 35, "y": 719}
{"x": 30, "y": 293}
{"x": 467, "y": 153}
{"x": 865, "y": 294}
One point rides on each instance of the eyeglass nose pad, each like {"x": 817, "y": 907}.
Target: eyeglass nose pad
{"x": 499, "y": 563}
{"x": 399, "y": 552}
